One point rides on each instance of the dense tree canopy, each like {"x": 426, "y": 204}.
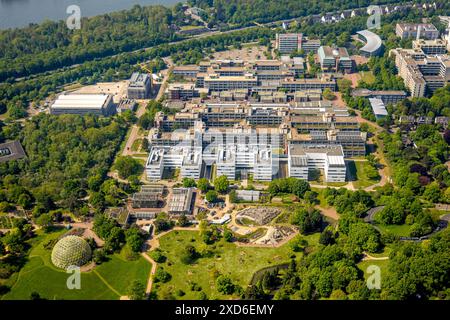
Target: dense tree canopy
{"x": 64, "y": 153}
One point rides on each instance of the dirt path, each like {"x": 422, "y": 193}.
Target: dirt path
{"x": 368, "y": 257}
{"x": 148, "y": 289}
{"x": 328, "y": 212}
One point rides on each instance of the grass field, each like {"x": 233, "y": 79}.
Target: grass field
{"x": 136, "y": 145}
{"x": 357, "y": 171}
{"x": 367, "y": 77}
{"x": 239, "y": 263}
{"x": 399, "y": 230}
{"x": 382, "y": 264}
{"x": 108, "y": 281}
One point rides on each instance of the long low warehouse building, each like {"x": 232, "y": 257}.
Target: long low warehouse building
{"x": 98, "y": 104}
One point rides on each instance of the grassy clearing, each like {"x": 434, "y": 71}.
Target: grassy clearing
{"x": 136, "y": 145}
{"x": 367, "y": 77}
{"x": 399, "y": 230}
{"x": 225, "y": 259}
{"x": 357, "y": 172}
{"x": 184, "y": 28}
{"x": 382, "y": 264}
{"x": 106, "y": 282}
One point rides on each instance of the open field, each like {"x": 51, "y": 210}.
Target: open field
{"x": 118, "y": 89}
{"x": 357, "y": 172}
{"x": 398, "y": 230}
{"x": 108, "y": 281}
{"x": 136, "y": 145}
{"x": 367, "y": 76}
{"x": 239, "y": 263}
{"x": 248, "y": 52}
{"x": 382, "y": 264}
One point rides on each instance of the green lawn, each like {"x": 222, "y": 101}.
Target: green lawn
{"x": 184, "y": 28}
{"x": 399, "y": 230}
{"x": 357, "y": 172}
{"x": 106, "y": 282}
{"x": 382, "y": 264}
{"x": 136, "y": 145}
{"x": 367, "y": 77}
{"x": 239, "y": 263}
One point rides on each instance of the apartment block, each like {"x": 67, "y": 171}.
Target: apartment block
{"x": 289, "y": 42}
{"x": 421, "y": 73}
{"x": 431, "y": 47}
{"x": 416, "y": 30}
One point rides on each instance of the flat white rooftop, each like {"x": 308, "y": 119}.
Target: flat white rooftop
{"x": 81, "y": 101}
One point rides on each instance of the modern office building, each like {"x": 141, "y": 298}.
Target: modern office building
{"x": 353, "y": 142}
{"x": 288, "y": 42}
{"x": 139, "y": 86}
{"x": 334, "y": 59}
{"x": 373, "y": 44}
{"x": 245, "y": 159}
{"x": 302, "y": 159}
{"x": 187, "y": 159}
{"x": 431, "y": 47}
{"x": 98, "y": 104}
{"x": 417, "y": 31}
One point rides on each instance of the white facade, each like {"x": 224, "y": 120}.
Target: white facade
{"x": 330, "y": 158}
{"x": 186, "y": 158}
{"x": 99, "y": 104}
{"x": 255, "y": 159}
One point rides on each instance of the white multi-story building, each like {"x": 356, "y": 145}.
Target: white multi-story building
{"x": 289, "y": 42}
{"x": 226, "y": 163}
{"x": 186, "y": 158}
{"x": 254, "y": 159}
{"x": 302, "y": 159}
